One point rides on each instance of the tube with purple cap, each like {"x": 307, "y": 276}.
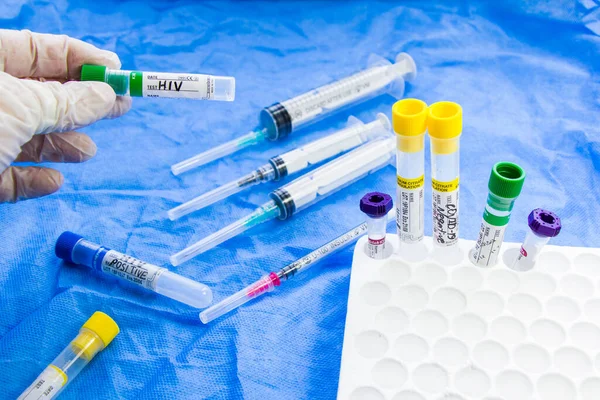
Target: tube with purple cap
{"x": 376, "y": 205}
{"x": 543, "y": 225}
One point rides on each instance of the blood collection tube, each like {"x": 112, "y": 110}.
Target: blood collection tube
{"x": 93, "y": 337}
{"x": 76, "y": 249}
{"x": 409, "y": 118}
{"x": 162, "y": 84}
{"x": 444, "y": 125}
{"x": 543, "y": 225}
{"x": 505, "y": 184}
{"x": 376, "y": 205}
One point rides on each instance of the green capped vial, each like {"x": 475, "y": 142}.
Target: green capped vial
{"x": 162, "y": 84}
{"x": 505, "y": 184}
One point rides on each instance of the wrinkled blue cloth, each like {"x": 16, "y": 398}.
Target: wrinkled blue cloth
{"x": 526, "y": 75}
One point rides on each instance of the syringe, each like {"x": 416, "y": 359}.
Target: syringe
{"x": 354, "y": 135}
{"x": 303, "y": 192}
{"x": 280, "y": 119}
{"x": 268, "y": 282}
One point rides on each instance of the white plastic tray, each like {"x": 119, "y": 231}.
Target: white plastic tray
{"x": 424, "y": 330}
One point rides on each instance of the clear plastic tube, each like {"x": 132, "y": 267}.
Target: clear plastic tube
{"x": 303, "y": 192}
{"x": 75, "y": 249}
{"x": 445, "y": 128}
{"x": 162, "y": 84}
{"x": 409, "y": 118}
{"x": 543, "y": 225}
{"x": 294, "y": 161}
{"x": 93, "y": 337}
{"x": 281, "y": 119}
{"x": 505, "y": 184}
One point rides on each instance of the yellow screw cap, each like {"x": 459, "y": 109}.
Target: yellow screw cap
{"x": 444, "y": 125}
{"x": 103, "y": 326}
{"x": 409, "y": 118}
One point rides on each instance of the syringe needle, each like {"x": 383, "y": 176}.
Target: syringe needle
{"x": 206, "y": 199}
{"x": 265, "y": 284}
{"x": 264, "y": 213}
{"x": 215, "y": 153}
{"x": 263, "y": 174}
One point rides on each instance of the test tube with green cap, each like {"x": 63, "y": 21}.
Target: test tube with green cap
{"x": 162, "y": 84}
{"x": 505, "y": 184}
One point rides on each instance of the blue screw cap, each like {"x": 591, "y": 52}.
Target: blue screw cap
{"x": 65, "y": 244}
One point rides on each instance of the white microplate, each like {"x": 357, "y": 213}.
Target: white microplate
{"x": 423, "y": 330}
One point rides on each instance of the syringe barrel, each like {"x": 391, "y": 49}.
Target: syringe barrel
{"x": 505, "y": 184}
{"x": 355, "y": 134}
{"x": 283, "y": 118}
{"x": 77, "y": 250}
{"x": 93, "y": 337}
{"x": 162, "y": 84}
{"x": 333, "y": 176}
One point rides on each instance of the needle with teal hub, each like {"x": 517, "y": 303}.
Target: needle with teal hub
{"x": 303, "y": 192}
{"x": 281, "y": 119}
{"x": 294, "y": 161}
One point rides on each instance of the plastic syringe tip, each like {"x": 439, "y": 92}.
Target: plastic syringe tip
{"x": 220, "y": 151}
{"x": 264, "y": 213}
{"x": 205, "y": 200}
{"x": 265, "y": 284}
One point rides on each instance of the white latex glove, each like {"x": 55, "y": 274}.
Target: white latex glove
{"x": 38, "y": 114}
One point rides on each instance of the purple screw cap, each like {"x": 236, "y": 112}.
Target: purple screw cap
{"x": 544, "y": 222}
{"x": 376, "y": 204}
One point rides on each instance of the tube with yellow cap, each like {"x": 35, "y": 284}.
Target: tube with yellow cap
{"x": 93, "y": 337}
{"x": 444, "y": 125}
{"x": 410, "y": 122}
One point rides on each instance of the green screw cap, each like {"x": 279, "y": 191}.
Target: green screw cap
{"x": 119, "y": 82}
{"x": 506, "y": 180}
{"x": 93, "y": 73}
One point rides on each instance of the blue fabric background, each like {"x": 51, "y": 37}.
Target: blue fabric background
{"x": 526, "y": 75}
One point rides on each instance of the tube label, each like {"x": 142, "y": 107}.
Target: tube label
{"x": 131, "y": 269}
{"x": 445, "y": 212}
{"x": 409, "y": 210}
{"x": 376, "y": 248}
{"x": 46, "y": 386}
{"x": 162, "y": 84}
{"x": 486, "y": 250}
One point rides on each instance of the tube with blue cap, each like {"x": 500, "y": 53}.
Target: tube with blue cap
{"x": 77, "y": 250}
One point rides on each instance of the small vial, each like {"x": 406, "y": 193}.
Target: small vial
{"x": 444, "y": 125}
{"x": 543, "y": 225}
{"x": 409, "y": 118}
{"x": 75, "y": 249}
{"x": 93, "y": 337}
{"x": 505, "y": 184}
{"x": 162, "y": 84}
{"x": 376, "y": 205}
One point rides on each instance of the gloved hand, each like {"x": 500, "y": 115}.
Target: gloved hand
{"x": 38, "y": 115}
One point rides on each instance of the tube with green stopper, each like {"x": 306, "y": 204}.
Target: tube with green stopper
{"x": 505, "y": 184}
{"x": 162, "y": 84}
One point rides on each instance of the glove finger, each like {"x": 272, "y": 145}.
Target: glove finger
{"x": 66, "y": 147}
{"x": 52, "y": 107}
{"x": 17, "y": 183}
{"x": 27, "y": 54}
{"x": 121, "y": 106}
